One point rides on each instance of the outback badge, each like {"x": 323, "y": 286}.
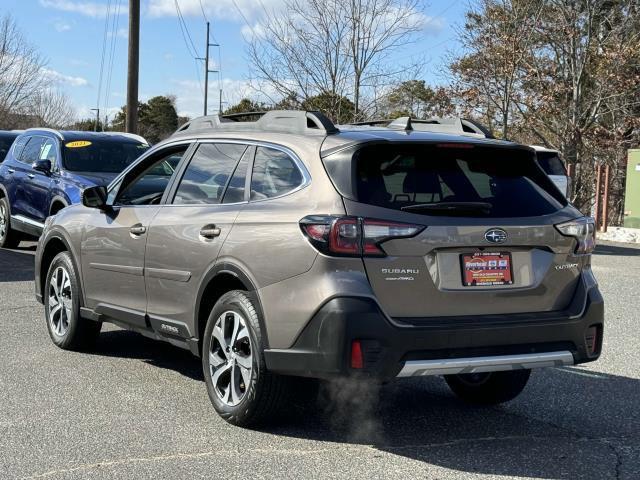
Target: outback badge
{"x": 495, "y": 235}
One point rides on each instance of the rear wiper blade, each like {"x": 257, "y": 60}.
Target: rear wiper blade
{"x": 449, "y": 207}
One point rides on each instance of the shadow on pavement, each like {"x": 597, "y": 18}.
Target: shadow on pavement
{"x": 17, "y": 265}
{"x": 617, "y": 250}
{"x": 566, "y": 424}
{"x": 128, "y": 344}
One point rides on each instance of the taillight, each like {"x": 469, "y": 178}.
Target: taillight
{"x": 353, "y": 236}
{"x": 583, "y": 230}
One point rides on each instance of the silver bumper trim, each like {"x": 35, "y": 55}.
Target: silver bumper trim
{"x": 453, "y": 366}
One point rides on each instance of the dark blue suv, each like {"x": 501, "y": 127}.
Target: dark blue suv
{"x": 46, "y": 170}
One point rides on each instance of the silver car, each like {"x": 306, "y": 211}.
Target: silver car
{"x": 289, "y": 247}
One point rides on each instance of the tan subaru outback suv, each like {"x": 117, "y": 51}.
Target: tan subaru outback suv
{"x": 291, "y": 247}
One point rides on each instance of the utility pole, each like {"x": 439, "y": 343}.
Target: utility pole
{"x": 133, "y": 68}
{"x": 97, "y": 110}
{"x": 206, "y": 68}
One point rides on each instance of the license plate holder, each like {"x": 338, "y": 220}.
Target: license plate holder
{"x": 486, "y": 269}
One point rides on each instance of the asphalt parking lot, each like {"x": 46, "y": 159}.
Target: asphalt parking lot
{"x": 138, "y": 409}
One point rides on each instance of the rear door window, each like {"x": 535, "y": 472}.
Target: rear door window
{"x": 208, "y": 173}
{"x": 236, "y": 188}
{"x": 505, "y": 182}
{"x": 274, "y": 174}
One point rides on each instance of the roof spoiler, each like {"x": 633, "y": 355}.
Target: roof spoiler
{"x": 458, "y": 126}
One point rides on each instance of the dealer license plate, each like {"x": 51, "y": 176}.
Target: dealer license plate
{"x": 484, "y": 269}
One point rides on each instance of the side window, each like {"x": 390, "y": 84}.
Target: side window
{"x": 146, "y": 185}
{"x": 48, "y": 152}
{"x": 208, "y": 173}
{"x": 235, "y": 190}
{"x": 274, "y": 174}
{"x": 31, "y": 151}
{"x": 19, "y": 146}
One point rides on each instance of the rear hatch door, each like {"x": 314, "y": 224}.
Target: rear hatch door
{"x": 490, "y": 245}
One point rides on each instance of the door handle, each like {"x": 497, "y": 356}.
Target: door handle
{"x": 11, "y": 170}
{"x": 137, "y": 230}
{"x": 209, "y": 231}
{"x": 30, "y": 175}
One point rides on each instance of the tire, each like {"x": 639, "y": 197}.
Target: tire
{"x": 232, "y": 356}
{"x": 488, "y": 388}
{"x": 9, "y": 238}
{"x": 61, "y": 292}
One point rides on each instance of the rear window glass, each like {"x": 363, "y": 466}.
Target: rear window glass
{"x": 101, "y": 155}
{"x": 5, "y": 144}
{"x": 454, "y": 181}
{"x": 551, "y": 164}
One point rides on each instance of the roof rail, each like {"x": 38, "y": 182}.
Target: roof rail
{"x": 43, "y": 129}
{"x": 134, "y": 136}
{"x": 286, "y": 121}
{"x": 460, "y": 126}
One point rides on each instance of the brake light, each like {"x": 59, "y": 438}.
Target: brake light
{"x": 353, "y": 236}
{"x": 583, "y": 230}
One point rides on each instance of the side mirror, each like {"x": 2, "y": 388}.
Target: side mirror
{"x": 43, "y": 166}
{"x": 95, "y": 197}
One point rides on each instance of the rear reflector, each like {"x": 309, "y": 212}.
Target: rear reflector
{"x": 356, "y": 355}
{"x": 591, "y": 339}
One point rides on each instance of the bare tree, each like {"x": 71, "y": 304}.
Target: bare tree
{"x": 497, "y": 35}
{"x": 338, "y": 49}
{"x": 20, "y": 70}
{"x": 51, "y": 107}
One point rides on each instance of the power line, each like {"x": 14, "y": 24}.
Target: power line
{"x": 188, "y": 42}
{"x": 203, "y": 14}
{"x": 104, "y": 48}
{"x": 185, "y": 31}
{"x": 114, "y": 37}
{"x": 241, "y": 14}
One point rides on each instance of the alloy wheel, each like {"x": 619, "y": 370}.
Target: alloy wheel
{"x": 60, "y": 301}
{"x": 4, "y": 221}
{"x": 230, "y": 358}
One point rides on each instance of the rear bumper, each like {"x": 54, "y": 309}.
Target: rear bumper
{"x": 434, "y": 346}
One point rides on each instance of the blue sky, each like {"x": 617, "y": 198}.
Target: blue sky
{"x": 70, "y": 34}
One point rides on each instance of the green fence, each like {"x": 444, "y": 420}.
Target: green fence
{"x": 632, "y": 194}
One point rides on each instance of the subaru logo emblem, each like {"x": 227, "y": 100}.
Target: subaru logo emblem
{"x": 495, "y": 235}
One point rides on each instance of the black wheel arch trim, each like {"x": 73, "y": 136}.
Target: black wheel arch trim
{"x": 60, "y": 236}
{"x": 58, "y": 199}
{"x": 231, "y": 269}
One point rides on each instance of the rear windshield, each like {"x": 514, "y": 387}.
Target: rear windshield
{"x": 502, "y": 182}
{"x": 101, "y": 156}
{"x": 551, "y": 164}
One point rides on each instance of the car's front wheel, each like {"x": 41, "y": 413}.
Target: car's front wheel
{"x": 241, "y": 389}
{"x": 9, "y": 238}
{"x": 62, "y": 307}
{"x": 488, "y": 388}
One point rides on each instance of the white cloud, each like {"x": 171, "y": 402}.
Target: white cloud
{"x": 54, "y": 76}
{"x": 190, "y": 97}
{"x": 121, "y": 33}
{"x": 89, "y": 9}
{"x": 61, "y": 26}
{"x": 221, "y": 9}
{"x": 432, "y": 25}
